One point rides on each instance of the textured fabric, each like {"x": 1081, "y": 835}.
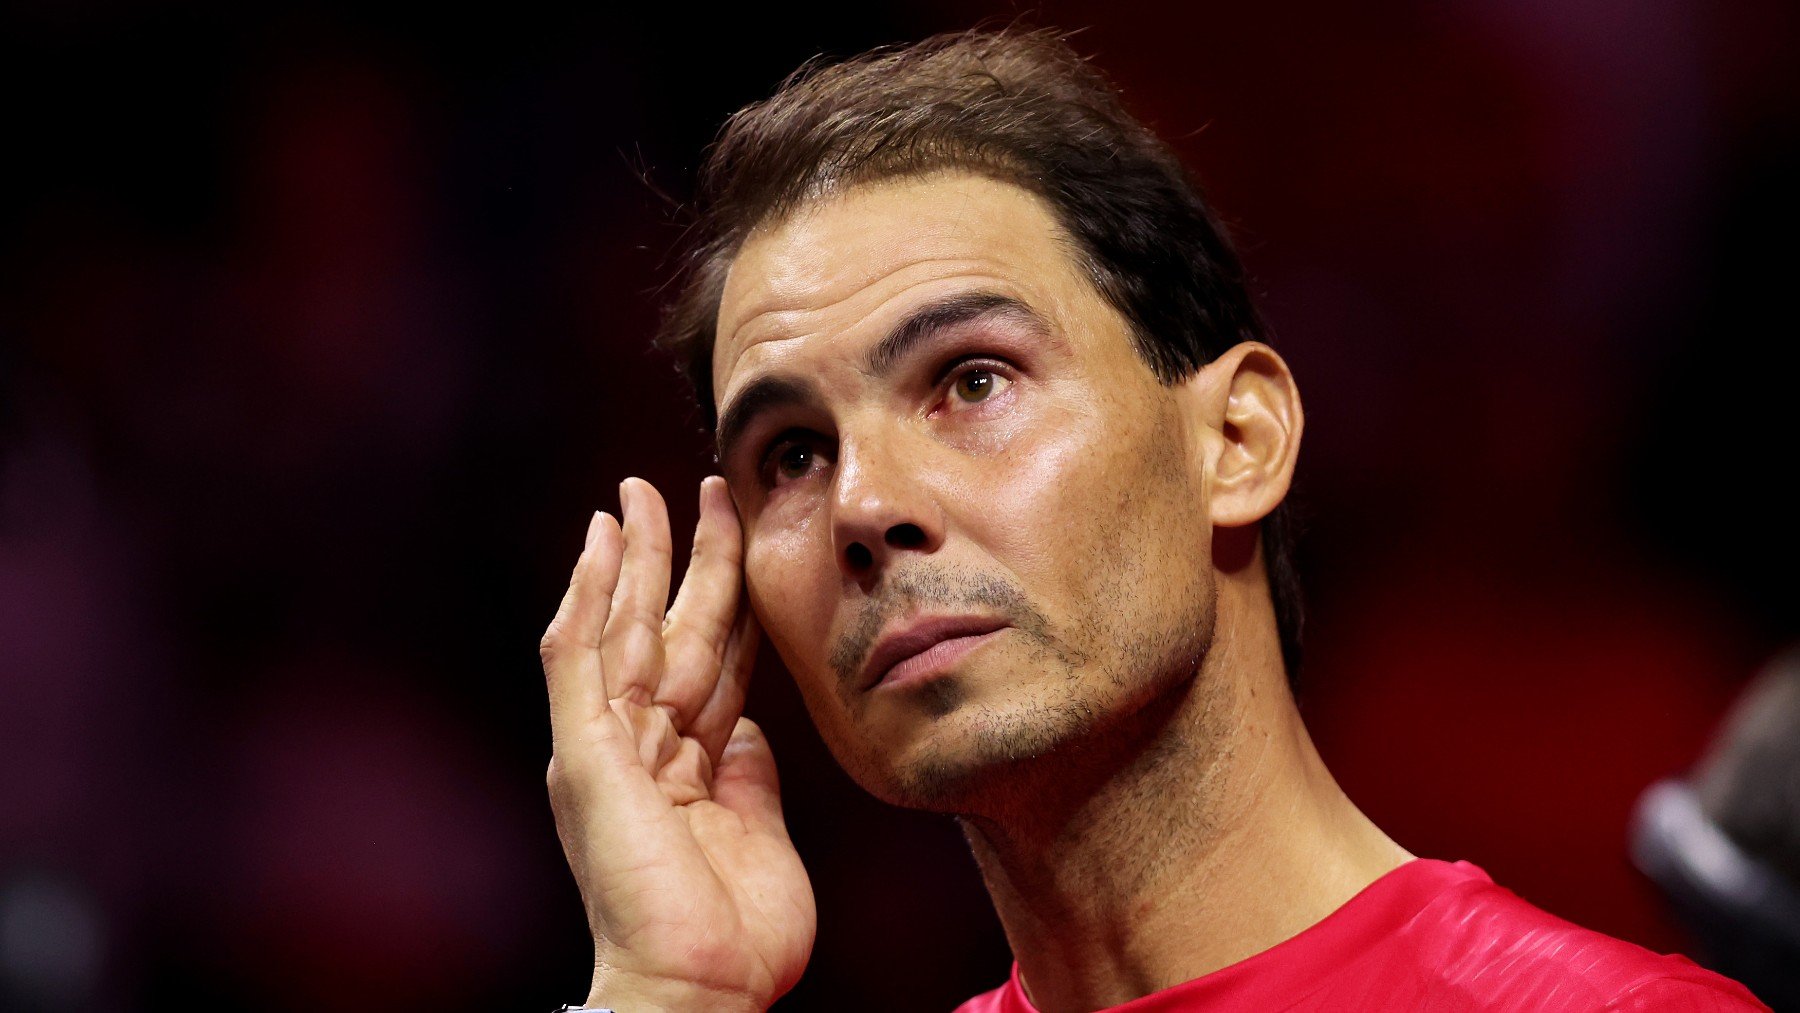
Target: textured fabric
{"x": 1436, "y": 936}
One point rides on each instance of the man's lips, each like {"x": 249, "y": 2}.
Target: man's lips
{"x": 906, "y": 645}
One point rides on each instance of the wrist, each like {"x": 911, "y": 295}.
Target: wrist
{"x": 624, "y": 992}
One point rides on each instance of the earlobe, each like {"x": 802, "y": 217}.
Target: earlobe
{"x": 1255, "y": 406}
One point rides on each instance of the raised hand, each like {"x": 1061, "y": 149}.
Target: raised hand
{"x": 665, "y": 796}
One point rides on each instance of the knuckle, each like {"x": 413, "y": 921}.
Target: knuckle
{"x": 561, "y": 781}
{"x": 647, "y": 617}
{"x": 685, "y": 635}
{"x": 550, "y": 644}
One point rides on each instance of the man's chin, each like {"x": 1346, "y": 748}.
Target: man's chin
{"x": 970, "y": 758}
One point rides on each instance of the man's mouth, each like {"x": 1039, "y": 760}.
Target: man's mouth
{"x": 919, "y": 648}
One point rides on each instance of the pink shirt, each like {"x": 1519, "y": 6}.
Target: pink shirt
{"x": 1434, "y": 935}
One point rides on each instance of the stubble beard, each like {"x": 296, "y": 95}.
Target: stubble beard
{"x": 1029, "y": 758}
{"x": 1127, "y": 670}
{"x": 1115, "y": 685}
{"x": 941, "y": 777}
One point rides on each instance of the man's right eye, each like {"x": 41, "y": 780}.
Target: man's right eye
{"x": 789, "y": 458}
{"x": 795, "y": 461}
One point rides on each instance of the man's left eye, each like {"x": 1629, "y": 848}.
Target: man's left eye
{"x": 977, "y": 385}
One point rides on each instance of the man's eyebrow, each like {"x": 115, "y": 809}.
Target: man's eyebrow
{"x": 761, "y": 395}
{"x": 957, "y": 309}
{"x": 775, "y": 391}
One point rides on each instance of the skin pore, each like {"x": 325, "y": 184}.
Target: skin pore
{"x": 929, "y": 411}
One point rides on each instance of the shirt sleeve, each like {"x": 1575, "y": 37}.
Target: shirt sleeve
{"x": 1685, "y": 995}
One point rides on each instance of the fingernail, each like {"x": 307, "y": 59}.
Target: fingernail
{"x": 622, "y": 504}
{"x": 593, "y": 530}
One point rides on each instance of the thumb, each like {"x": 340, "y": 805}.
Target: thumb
{"x": 745, "y": 781}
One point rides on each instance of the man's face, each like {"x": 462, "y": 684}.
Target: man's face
{"x": 936, "y": 430}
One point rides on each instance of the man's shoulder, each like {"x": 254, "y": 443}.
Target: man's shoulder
{"x": 986, "y": 1002}
{"x": 1704, "y": 994}
{"x": 1439, "y": 936}
{"x": 1480, "y": 940}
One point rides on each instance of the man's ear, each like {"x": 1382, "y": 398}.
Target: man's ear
{"x": 1249, "y": 408}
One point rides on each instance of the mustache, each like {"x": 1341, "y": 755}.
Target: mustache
{"x": 908, "y": 590}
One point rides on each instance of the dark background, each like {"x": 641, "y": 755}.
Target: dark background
{"x": 323, "y": 330}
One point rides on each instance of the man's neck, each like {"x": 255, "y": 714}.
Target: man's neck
{"x": 1217, "y": 836}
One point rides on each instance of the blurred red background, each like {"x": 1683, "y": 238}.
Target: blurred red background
{"x": 323, "y": 329}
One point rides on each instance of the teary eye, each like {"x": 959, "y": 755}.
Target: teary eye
{"x": 978, "y": 385}
{"x": 792, "y": 456}
{"x": 794, "y": 461}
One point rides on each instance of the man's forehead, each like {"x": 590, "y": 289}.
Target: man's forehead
{"x": 841, "y": 258}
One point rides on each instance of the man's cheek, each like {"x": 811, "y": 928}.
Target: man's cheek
{"x": 784, "y": 592}
{"x": 1045, "y": 494}
{"x": 762, "y": 581}
{"x": 773, "y": 560}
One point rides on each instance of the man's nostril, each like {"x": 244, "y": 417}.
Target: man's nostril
{"x": 905, "y": 536}
{"x": 859, "y": 556}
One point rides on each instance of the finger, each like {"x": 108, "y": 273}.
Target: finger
{"x": 699, "y": 623}
{"x": 570, "y": 646}
{"x": 719, "y": 717}
{"x": 745, "y": 781}
{"x": 631, "y": 648}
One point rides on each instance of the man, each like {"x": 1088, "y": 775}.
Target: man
{"x": 1003, "y": 461}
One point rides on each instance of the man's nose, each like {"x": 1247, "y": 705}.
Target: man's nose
{"x": 879, "y": 507}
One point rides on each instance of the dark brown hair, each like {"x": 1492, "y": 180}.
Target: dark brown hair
{"x": 1021, "y": 107}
